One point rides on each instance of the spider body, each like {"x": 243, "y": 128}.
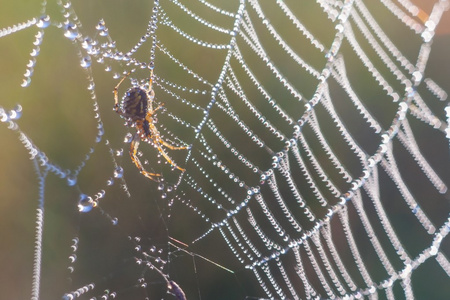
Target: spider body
{"x": 137, "y": 109}
{"x": 135, "y": 105}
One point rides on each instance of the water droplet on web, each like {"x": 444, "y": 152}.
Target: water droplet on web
{"x": 68, "y": 297}
{"x": 43, "y": 22}
{"x": 110, "y": 182}
{"x": 169, "y": 188}
{"x": 72, "y": 258}
{"x": 16, "y": 113}
{"x": 85, "y": 203}
{"x": 28, "y": 73}
{"x": 71, "y": 180}
{"x": 101, "y": 194}
{"x": 119, "y": 152}
{"x": 161, "y": 186}
{"x": 100, "y": 25}
{"x": 86, "y": 62}
{"x": 114, "y": 221}
{"x": 3, "y": 115}
{"x": 71, "y": 31}
{"x": 118, "y": 172}
{"x": 26, "y": 82}
{"x": 163, "y": 195}
{"x": 35, "y": 52}
{"x": 128, "y": 138}
{"x": 103, "y": 32}
{"x": 87, "y": 43}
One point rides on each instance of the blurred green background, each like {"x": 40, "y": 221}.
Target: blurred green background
{"x": 58, "y": 116}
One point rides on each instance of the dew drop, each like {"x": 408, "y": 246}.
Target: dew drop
{"x": 86, "y": 62}
{"x": 110, "y": 182}
{"x": 43, "y": 22}
{"x": 31, "y": 63}
{"x": 128, "y": 138}
{"x": 119, "y": 152}
{"x": 118, "y": 172}
{"x": 114, "y": 221}
{"x": 85, "y": 203}
{"x": 3, "y": 115}
{"x": 87, "y": 44}
{"x": 28, "y": 73}
{"x": 68, "y": 297}
{"x": 100, "y": 25}
{"x": 103, "y": 32}
{"x": 35, "y": 52}
{"x": 71, "y": 31}
{"x": 101, "y": 194}
{"x": 16, "y": 113}
{"x": 71, "y": 180}
{"x": 26, "y": 82}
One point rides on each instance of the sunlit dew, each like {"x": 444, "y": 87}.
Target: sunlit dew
{"x": 3, "y": 115}
{"x": 86, "y": 62}
{"x": 75, "y": 244}
{"x": 35, "y": 52}
{"x": 85, "y": 203}
{"x": 71, "y": 180}
{"x": 119, "y": 152}
{"x": 128, "y": 138}
{"x": 87, "y": 43}
{"x": 16, "y": 113}
{"x": 103, "y": 32}
{"x": 28, "y": 73}
{"x": 118, "y": 172}
{"x": 100, "y": 25}
{"x": 26, "y": 82}
{"x": 110, "y": 182}
{"x": 114, "y": 221}
{"x": 71, "y": 31}
{"x": 43, "y": 22}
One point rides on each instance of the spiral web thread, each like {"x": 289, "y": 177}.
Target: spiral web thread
{"x": 291, "y": 167}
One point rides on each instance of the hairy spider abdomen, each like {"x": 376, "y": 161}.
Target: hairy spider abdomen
{"x": 135, "y": 104}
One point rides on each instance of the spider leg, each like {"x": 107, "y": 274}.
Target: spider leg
{"x": 171, "y": 147}
{"x": 157, "y": 143}
{"x": 133, "y": 150}
{"x": 158, "y": 140}
{"x": 116, "y": 93}
{"x": 157, "y": 108}
{"x": 150, "y": 82}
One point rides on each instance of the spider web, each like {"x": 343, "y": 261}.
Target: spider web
{"x": 318, "y": 160}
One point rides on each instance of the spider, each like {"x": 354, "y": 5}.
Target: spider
{"x": 137, "y": 109}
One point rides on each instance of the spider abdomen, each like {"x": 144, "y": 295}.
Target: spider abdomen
{"x": 135, "y": 104}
